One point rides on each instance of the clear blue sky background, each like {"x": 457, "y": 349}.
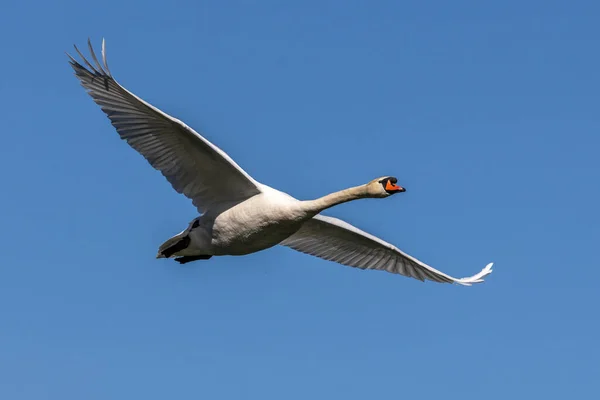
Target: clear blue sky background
{"x": 489, "y": 115}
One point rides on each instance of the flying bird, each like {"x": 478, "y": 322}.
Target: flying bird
{"x": 239, "y": 215}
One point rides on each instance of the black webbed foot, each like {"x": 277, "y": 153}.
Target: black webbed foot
{"x": 187, "y": 259}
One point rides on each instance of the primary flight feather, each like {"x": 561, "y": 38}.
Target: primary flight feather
{"x": 238, "y": 214}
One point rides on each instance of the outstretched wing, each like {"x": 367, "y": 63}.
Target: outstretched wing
{"x": 194, "y": 166}
{"x": 336, "y": 240}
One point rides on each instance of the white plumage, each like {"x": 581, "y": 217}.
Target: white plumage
{"x": 238, "y": 214}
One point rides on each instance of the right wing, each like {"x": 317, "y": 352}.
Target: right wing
{"x": 335, "y": 240}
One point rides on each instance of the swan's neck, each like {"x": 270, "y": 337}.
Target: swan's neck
{"x": 316, "y": 206}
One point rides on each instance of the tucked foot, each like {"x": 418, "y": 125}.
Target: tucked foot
{"x": 187, "y": 259}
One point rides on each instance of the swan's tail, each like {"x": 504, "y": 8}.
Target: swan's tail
{"x": 174, "y": 245}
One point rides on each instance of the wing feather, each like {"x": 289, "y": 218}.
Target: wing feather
{"x": 194, "y": 166}
{"x": 335, "y": 240}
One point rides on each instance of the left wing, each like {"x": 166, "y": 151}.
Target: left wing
{"x": 335, "y": 240}
{"x": 193, "y": 165}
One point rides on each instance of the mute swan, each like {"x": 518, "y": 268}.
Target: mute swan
{"x": 238, "y": 214}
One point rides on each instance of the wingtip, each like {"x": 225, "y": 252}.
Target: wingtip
{"x": 104, "y": 58}
{"x": 477, "y": 278}
{"x": 71, "y": 59}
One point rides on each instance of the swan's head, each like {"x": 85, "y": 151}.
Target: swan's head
{"x": 384, "y": 187}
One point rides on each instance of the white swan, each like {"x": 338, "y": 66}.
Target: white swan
{"x": 238, "y": 214}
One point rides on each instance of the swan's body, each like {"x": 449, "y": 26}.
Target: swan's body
{"x": 238, "y": 214}
{"x": 255, "y": 224}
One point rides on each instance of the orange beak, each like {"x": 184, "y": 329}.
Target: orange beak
{"x": 392, "y": 187}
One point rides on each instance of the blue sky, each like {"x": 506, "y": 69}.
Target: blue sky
{"x": 488, "y": 114}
